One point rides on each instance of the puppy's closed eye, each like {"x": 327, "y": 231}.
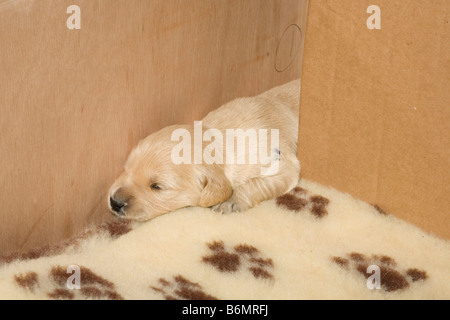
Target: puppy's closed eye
{"x": 155, "y": 186}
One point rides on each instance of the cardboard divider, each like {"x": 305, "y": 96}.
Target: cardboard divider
{"x": 375, "y": 106}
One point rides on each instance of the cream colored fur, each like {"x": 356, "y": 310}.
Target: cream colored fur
{"x": 229, "y": 187}
{"x": 300, "y": 245}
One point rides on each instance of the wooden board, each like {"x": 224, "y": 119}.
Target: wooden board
{"x": 74, "y": 102}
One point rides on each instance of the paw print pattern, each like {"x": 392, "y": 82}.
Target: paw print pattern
{"x": 28, "y": 281}
{"x": 392, "y": 278}
{"x": 298, "y": 199}
{"x": 243, "y": 256}
{"x": 92, "y": 285}
{"x": 181, "y": 289}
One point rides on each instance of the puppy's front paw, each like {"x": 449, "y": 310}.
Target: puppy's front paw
{"x": 228, "y": 207}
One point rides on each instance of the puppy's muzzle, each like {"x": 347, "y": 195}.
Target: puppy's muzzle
{"x": 117, "y": 206}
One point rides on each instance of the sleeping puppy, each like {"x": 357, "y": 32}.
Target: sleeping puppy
{"x": 239, "y": 155}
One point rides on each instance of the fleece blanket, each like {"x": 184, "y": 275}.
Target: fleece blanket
{"x": 311, "y": 243}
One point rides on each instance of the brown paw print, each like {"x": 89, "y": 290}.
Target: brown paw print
{"x": 92, "y": 285}
{"x": 28, "y": 281}
{"x": 181, "y": 289}
{"x": 391, "y": 278}
{"x": 299, "y": 198}
{"x": 242, "y": 256}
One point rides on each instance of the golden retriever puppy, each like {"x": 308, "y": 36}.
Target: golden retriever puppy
{"x": 239, "y": 155}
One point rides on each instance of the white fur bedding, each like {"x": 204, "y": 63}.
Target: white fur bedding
{"x": 313, "y": 243}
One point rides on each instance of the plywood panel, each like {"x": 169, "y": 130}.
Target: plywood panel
{"x": 74, "y": 102}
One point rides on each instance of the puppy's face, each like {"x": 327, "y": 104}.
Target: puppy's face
{"x": 152, "y": 184}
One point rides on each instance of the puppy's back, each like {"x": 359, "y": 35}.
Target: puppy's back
{"x": 287, "y": 94}
{"x": 274, "y": 109}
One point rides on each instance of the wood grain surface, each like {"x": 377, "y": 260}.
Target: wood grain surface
{"x": 73, "y": 103}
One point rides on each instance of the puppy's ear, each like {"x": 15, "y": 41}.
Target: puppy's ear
{"x": 216, "y": 186}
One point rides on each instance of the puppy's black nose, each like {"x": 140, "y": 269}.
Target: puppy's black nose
{"x": 117, "y": 206}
